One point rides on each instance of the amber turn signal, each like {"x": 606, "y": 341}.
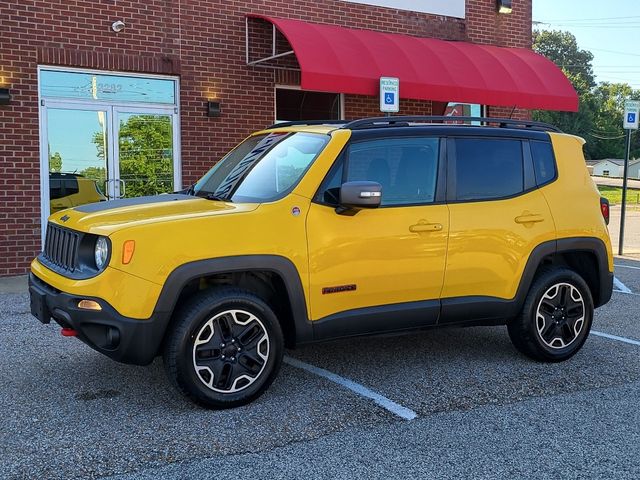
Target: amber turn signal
{"x": 89, "y": 305}
{"x": 127, "y": 251}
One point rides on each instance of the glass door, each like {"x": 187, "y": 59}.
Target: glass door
{"x": 145, "y": 149}
{"x": 76, "y": 143}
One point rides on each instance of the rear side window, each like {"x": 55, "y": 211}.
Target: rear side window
{"x": 544, "y": 163}
{"x": 487, "y": 168}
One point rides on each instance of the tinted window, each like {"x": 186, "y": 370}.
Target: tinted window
{"x": 405, "y": 167}
{"x": 543, "y": 162}
{"x": 303, "y": 105}
{"x": 70, "y": 186}
{"x": 488, "y": 168}
{"x": 55, "y": 188}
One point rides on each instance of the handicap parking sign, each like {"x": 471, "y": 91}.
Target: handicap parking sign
{"x": 631, "y": 112}
{"x": 389, "y": 94}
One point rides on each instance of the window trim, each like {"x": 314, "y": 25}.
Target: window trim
{"x": 528, "y": 179}
{"x": 441, "y": 171}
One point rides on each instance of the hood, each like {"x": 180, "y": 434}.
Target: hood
{"x": 103, "y": 218}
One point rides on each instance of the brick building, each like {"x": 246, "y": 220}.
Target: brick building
{"x": 101, "y": 109}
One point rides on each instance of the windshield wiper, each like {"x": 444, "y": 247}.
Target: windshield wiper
{"x": 219, "y": 198}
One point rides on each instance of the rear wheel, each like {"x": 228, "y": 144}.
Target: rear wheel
{"x": 225, "y": 349}
{"x": 556, "y": 317}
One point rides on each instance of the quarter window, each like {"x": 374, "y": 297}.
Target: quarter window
{"x": 486, "y": 169}
{"x": 543, "y": 162}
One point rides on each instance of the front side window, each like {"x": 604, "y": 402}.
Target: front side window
{"x": 406, "y": 168}
{"x": 487, "y": 168}
{"x": 263, "y": 168}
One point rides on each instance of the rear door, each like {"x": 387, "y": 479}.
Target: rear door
{"x": 498, "y": 217}
{"x": 380, "y": 261}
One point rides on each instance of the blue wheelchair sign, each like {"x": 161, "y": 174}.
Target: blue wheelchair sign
{"x": 631, "y": 117}
{"x": 389, "y": 98}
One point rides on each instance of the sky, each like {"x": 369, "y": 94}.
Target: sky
{"x": 609, "y": 29}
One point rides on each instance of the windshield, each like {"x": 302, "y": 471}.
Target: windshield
{"x": 263, "y": 168}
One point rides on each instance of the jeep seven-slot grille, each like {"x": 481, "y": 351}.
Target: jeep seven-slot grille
{"x": 61, "y": 247}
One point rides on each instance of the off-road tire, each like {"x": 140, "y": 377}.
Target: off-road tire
{"x": 528, "y": 331}
{"x": 195, "y": 320}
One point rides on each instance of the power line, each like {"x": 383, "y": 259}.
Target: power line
{"x": 592, "y": 19}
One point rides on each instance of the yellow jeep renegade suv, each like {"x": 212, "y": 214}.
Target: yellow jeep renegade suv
{"x": 308, "y": 232}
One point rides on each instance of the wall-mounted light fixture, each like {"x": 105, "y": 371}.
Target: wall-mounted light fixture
{"x": 504, "y": 6}
{"x": 5, "y": 96}
{"x": 118, "y": 26}
{"x": 213, "y": 109}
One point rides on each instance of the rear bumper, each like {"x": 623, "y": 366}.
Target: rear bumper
{"x": 121, "y": 338}
{"x": 606, "y": 289}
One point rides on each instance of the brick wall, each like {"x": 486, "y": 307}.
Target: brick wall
{"x": 203, "y": 42}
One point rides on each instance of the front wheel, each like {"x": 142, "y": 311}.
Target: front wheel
{"x": 225, "y": 348}
{"x": 556, "y": 318}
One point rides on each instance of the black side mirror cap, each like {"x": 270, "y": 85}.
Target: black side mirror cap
{"x": 355, "y": 196}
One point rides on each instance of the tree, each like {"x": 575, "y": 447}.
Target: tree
{"x": 562, "y": 49}
{"x": 599, "y": 119}
{"x": 146, "y": 154}
{"x": 55, "y": 162}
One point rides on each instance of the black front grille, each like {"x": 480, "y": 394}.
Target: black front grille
{"x": 61, "y": 247}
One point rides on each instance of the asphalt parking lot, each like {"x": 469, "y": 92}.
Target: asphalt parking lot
{"x": 481, "y": 410}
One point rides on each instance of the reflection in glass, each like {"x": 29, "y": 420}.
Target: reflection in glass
{"x": 146, "y": 154}
{"x": 77, "y": 157}
{"x": 55, "y": 84}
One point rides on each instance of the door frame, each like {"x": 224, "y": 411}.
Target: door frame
{"x": 110, "y": 107}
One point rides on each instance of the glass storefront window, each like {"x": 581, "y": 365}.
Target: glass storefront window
{"x": 114, "y": 88}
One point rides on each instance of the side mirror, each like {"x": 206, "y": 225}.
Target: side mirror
{"x": 355, "y": 196}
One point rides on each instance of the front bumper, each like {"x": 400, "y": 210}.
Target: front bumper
{"x": 123, "y": 339}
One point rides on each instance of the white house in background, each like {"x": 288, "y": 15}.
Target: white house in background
{"x": 613, "y": 167}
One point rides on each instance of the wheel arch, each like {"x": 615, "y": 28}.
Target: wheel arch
{"x": 252, "y": 273}
{"x": 587, "y": 256}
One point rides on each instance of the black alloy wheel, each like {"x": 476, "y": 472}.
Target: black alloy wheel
{"x": 224, "y": 348}
{"x": 556, "y": 317}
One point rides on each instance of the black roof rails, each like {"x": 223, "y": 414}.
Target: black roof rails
{"x": 307, "y": 122}
{"x": 405, "y": 121}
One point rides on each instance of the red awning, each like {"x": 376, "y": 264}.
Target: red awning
{"x": 338, "y": 59}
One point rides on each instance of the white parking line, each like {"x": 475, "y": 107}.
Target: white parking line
{"x": 621, "y": 287}
{"x": 384, "y": 402}
{"x": 615, "y": 337}
{"x": 627, "y": 266}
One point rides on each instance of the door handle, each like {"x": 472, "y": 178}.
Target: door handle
{"x": 529, "y": 218}
{"x": 425, "y": 227}
{"x": 123, "y": 191}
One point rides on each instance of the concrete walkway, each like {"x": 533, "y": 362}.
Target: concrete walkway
{"x": 631, "y": 230}
{"x": 13, "y": 284}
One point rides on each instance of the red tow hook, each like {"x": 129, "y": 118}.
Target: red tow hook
{"x": 69, "y": 332}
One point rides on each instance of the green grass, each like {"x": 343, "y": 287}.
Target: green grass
{"x": 614, "y": 195}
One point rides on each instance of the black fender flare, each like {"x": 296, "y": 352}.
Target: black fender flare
{"x": 282, "y": 266}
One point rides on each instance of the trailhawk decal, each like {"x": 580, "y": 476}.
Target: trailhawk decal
{"x": 339, "y": 289}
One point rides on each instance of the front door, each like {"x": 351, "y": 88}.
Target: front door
{"x": 395, "y": 254}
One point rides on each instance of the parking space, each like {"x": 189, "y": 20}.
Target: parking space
{"x": 480, "y": 407}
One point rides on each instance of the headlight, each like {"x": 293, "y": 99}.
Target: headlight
{"x": 101, "y": 252}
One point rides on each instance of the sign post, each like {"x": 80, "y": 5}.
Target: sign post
{"x": 389, "y": 95}
{"x": 630, "y": 122}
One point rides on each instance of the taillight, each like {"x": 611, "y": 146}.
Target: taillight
{"x": 604, "y": 208}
